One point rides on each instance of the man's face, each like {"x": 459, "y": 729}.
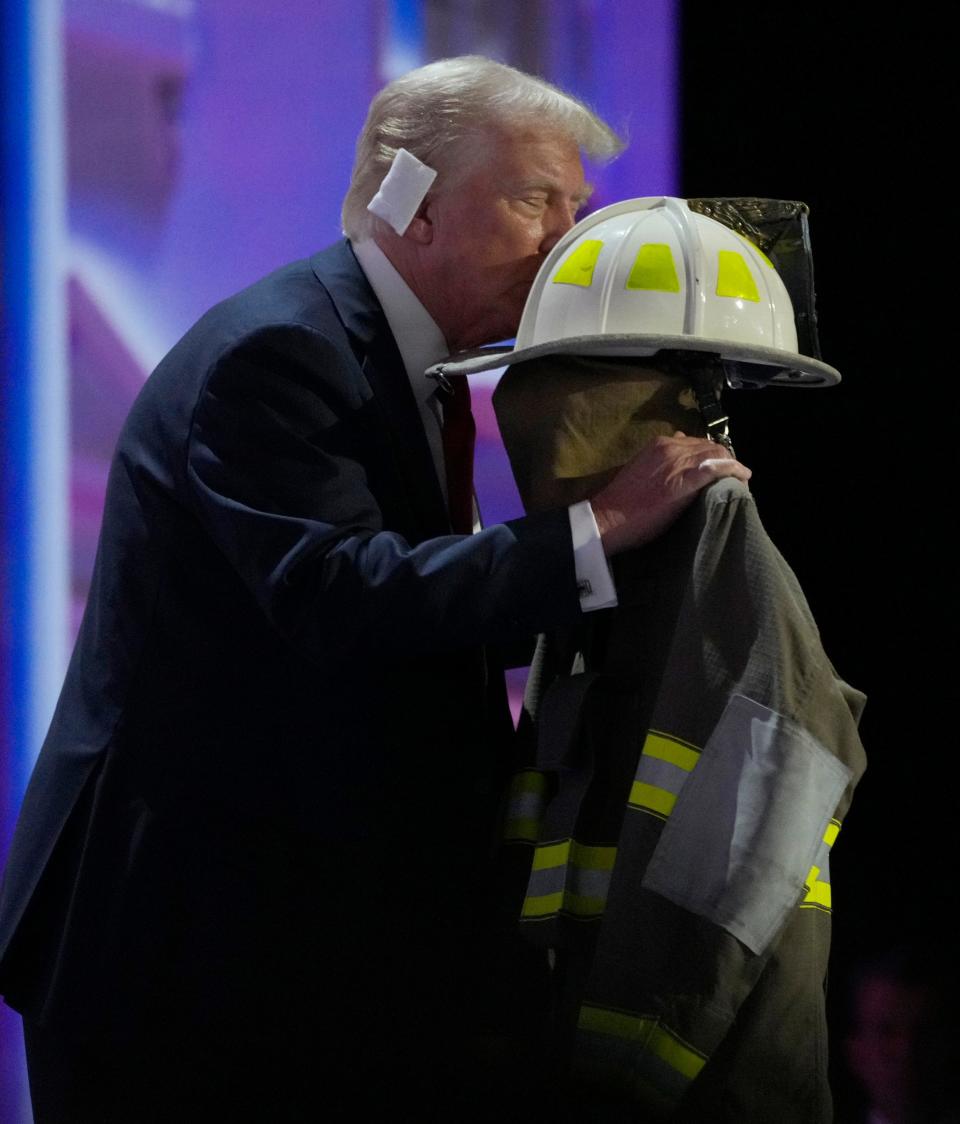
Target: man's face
{"x": 894, "y": 1023}
{"x": 491, "y": 230}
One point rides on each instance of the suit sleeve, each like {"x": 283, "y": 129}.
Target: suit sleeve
{"x": 278, "y": 461}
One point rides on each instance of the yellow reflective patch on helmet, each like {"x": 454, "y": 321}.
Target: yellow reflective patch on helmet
{"x": 654, "y": 269}
{"x": 734, "y": 278}
{"x": 578, "y": 268}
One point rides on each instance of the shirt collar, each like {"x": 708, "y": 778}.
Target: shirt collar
{"x": 419, "y": 340}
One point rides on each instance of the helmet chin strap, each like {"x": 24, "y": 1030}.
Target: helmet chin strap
{"x": 706, "y": 374}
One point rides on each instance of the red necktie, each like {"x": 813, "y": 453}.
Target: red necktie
{"x": 459, "y": 435}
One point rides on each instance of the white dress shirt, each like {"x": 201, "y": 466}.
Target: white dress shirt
{"x": 421, "y": 344}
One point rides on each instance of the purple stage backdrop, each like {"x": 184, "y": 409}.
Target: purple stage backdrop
{"x": 206, "y": 142}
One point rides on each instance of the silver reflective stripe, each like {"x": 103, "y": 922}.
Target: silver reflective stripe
{"x": 525, "y": 805}
{"x": 662, "y": 774}
{"x": 747, "y": 826}
{"x": 589, "y": 883}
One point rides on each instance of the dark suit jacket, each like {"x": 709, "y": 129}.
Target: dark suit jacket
{"x": 268, "y": 795}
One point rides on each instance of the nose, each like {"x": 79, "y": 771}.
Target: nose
{"x": 560, "y": 218}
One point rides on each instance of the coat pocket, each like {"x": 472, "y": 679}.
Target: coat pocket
{"x": 748, "y": 823}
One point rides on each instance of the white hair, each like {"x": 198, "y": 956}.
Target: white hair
{"x": 434, "y": 110}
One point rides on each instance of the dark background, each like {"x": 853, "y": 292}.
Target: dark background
{"x": 846, "y": 111}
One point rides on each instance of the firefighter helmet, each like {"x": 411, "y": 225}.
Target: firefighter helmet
{"x": 651, "y": 275}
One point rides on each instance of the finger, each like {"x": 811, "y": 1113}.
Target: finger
{"x": 682, "y": 438}
{"x": 725, "y": 466}
{"x": 713, "y": 462}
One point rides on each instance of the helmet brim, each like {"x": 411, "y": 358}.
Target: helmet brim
{"x": 769, "y": 365}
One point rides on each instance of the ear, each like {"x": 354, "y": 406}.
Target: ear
{"x": 420, "y": 229}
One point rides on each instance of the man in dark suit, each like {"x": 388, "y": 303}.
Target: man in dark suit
{"x": 250, "y": 875}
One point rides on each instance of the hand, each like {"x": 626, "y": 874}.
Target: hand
{"x": 649, "y": 492}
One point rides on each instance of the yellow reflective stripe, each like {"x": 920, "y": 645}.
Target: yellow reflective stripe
{"x": 551, "y": 854}
{"x": 734, "y": 278}
{"x": 649, "y": 796}
{"x": 578, "y": 268}
{"x": 677, "y": 1055}
{"x": 647, "y": 1032}
{"x": 582, "y": 855}
{"x": 618, "y": 1024}
{"x": 593, "y": 857}
{"x": 818, "y": 891}
{"x": 528, "y": 781}
{"x": 665, "y": 748}
{"x": 520, "y": 830}
{"x": 654, "y": 269}
{"x": 546, "y": 905}
{"x": 820, "y": 895}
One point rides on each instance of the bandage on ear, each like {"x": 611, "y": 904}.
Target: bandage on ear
{"x": 402, "y": 191}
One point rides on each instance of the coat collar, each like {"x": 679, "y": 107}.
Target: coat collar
{"x": 337, "y": 269}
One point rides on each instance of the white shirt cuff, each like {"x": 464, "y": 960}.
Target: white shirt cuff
{"x": 594, "y": 580}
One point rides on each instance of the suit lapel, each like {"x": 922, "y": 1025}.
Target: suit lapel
{"x": 376, "y": 350}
